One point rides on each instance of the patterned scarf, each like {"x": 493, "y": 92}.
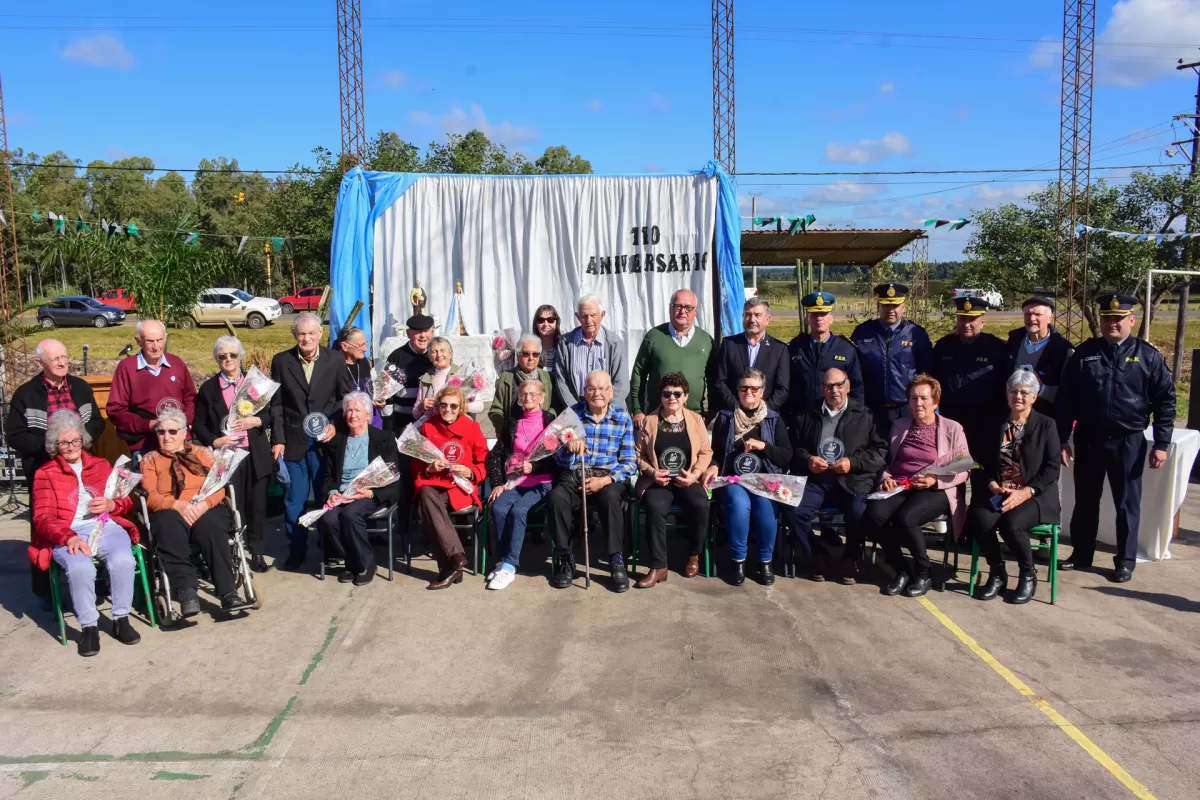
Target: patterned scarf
{"x": 182, "y": 462}
{"x": 743, "y": 423}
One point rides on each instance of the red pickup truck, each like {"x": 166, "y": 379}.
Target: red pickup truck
{"x": 118, "y": 298}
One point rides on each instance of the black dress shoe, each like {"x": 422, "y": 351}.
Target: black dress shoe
{"x": 259, "y": 564}
{"x": 124, "y": 633}
{"x": 997, "y": 582}
{"x": 89, "y": 642}
{"x": 1067, "y": 565}
{"x": 765, "y": 576}
{"x": 620, "y": 578}
{"x": 1122, "y": 575}
{"x": 737, "y": 573}
{"x": 918, "y": 587}
{"x": 564, "y": 572}
{"x": 230, "y": 601}
{"x": 295, "y": 560}
{"x": 346, "y": 576}
{"x": 898, "y": 584}
{"x": 368, "y": 575}
{"x": 189, "y": 603}
{"x": 1026, "y": 587}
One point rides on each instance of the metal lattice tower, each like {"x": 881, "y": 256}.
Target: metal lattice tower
{"x": 919, "y": 291}
{"x": 724, "y": 129}
{"x": 1075, "y": 166}
{"x": 12, "y": 332}
{"x": 350, "y": 83}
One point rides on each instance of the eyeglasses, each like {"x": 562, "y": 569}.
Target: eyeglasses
{"x": 227, "y": 356}
{"x": 527, "y": 354}
{"x": 167, "y": 431}
{"x": 751, "y": 389}
{"x": 1021, "y": 393}
{"x": 70, "y": 444}
{"x": 596, "y": 389}
{"x": 683, "y": 308}
{"x": 545, "y": 320}
{"x": 448, "y": 406}
{"x": 837, "y": 385}
{"x": 671, "y": 394}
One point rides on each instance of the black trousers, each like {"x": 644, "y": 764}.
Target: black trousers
{"x": 896, "y": 522}
{"x": 564, "y": 501}
{"x": 884, "y": 416}
{"x": 1122, "y": 461}
{"x": 251, "y": 497}
{"x": 657, "y": 500}
{"x": 825, "y": 492}
{"x": 174, "y": 539}
{"x": 343, "y": 532}
{"x": 1014, "y": 527}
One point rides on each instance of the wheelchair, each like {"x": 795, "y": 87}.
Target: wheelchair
{"x": 160, "y": 585}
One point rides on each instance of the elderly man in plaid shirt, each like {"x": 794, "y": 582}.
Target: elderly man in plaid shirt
{"x": 611, "y": 461}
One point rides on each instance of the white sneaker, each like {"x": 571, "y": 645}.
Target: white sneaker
{"x": 502, "y": 579}
{"x": 491, "y": 575}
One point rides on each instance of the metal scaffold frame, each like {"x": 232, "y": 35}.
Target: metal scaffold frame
{"x": 350, "y": 83}
{"x": 724, "y": 106}
{"x": 15, "y": 355}
{"x": 919, "y": 291}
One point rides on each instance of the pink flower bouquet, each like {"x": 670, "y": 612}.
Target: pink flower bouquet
{"x": 562, "y": 430}
{"x": 504, "y": 347}
{"x": 225, "y": 461}
{"x": 252, "y": 395}
{"x": 414, "y": 445}
{"x": 375, "y": 475}
{"x": 386, "y": 384}
{"x": 786, "y": 489}
{"x": 121, "y": 481}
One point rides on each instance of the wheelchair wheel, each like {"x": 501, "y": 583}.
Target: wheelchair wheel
{"x": 164, "y": 612}
{"x": 258, "y": 598}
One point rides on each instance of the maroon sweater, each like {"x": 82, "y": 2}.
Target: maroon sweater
{"x": 136, "y": 393}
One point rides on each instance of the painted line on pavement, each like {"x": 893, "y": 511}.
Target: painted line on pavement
{"x": 1090, "y": 747}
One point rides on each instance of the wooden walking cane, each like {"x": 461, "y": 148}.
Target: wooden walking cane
{"x": 587, "y": 561}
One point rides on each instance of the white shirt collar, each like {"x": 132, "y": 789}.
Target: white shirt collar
{"x": 825, "y": 409}
{"x": 682, "y": 338}
{"x": 162, "y": 361}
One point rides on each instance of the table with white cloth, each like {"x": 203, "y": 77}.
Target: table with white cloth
{"x": 1163, "y": 492}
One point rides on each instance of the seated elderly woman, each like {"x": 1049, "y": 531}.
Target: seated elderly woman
{"x": 172, "y": 475}
{"x": 441, "y": 354}
{"x": 1016, "y": 488}
{"x": 519, "y": 437}
{"x": 343, "y": 528}
{"x": 69, "y": 504}
{"x": 926, "y": 440}
{"x": 673, "y": 454}
{"x": 749, "y": 438}
{"x": 437, "y": 494}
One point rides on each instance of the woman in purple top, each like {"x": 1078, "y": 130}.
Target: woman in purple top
{"x": 916, "y": 444}
{"x": 510, "y": 508}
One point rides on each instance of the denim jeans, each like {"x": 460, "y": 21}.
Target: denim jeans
{"x": 306, "y": 475}
{"x": 509, "y": 514}
{"x": 743, "y": 509}
{"x": 116, "y": 552}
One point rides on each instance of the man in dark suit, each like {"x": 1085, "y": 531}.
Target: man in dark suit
{"x": 837, "y": 446}
{"x": 307, "y": 376}
{"x": 1040, "y": 349}
{"x": 753, "y": 348}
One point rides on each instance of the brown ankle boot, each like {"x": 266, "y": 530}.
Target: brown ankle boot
{"x": 652, "y": 577}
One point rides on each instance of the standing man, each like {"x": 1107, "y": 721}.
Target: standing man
{"x": 1041, "y": 349}
{"x": 141, "y": 383}
{"x": 35, "y": 400}
{"x": 816, "y": 352}
{"x": 412, "y": 359}
{"x": 589, "y": 348}
{"x": 675, "y": 346}
{"x": 972, "y": 367}
{"x": 1111, "y": 385}
{"x": 611, "y": 461}
{"x": 307, "y": 375}
{"x": 754, "y": 347}
{"x": 893, "y": 351}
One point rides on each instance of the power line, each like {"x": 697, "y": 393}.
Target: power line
{"x": 939, "y": 171}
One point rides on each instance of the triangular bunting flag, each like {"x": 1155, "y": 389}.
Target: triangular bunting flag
{"x": 242, "y": 243}
{"x": 81, "y": 225}
{"x": 3, "y": 221}
{"x": 959, "y": 224}
{"x": 191, "y": 238}
{"x": 131, "y": 229}
{"x": 277, "y": 243}
{"x": 37, "y": 217}
{"x": 287, "y": 243}
{"x": 58, "y": 222}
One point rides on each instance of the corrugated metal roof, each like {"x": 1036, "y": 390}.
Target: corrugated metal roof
{"x": 850, "y": 247}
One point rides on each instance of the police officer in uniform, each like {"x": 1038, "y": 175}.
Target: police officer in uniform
{"x": 814, "y": 353}
{"x": 972, "y": 367}
{"x": 1041, "y": 349}
{"x": 891, "y": 350}
{"x": 1111, "y": 385}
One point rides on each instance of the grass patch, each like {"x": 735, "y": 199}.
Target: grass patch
{"x": 192, "y": 346}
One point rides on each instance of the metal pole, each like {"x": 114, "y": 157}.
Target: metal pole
{"x": 800, "y": 294}
{"x": 1185, "y": 289}
{"x": 754, "y": 269}
{"x": 1149, "y": 304}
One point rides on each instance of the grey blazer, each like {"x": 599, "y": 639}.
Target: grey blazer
{"x": 566, "y": 392}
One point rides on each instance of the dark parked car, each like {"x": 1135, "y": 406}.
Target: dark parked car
{"x": 67, "y": 311}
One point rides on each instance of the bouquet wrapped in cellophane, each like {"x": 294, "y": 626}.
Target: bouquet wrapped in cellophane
{"x": 786, "y": 489}
{"x": 250, "y": 397}
{"x": 375, "y": 475}
{"x": 953, "y": 465}
{"x": 225, "y": 461}
{"x": 413, "y": 444}
{"x": 562, "y": 430}
{"x": 386, "y": 383}
{"x": 121, "y": 481}
{"x": 471, "y": 379}
{"x": 504, "y": 349}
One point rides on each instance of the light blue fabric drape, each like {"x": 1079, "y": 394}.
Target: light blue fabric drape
{"x": 729, "y": 250}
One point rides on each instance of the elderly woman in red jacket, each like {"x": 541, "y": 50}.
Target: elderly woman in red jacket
{"x": 70, "y": 503}
{"x": 437, "y": 494}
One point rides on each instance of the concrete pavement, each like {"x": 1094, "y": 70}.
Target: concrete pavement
{"x": 691, "y": 689}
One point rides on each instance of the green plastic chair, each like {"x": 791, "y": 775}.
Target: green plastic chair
{"x": 139, "y": 571}
{"x": 675, "y": 513}
{"x": 1041, "y": 537}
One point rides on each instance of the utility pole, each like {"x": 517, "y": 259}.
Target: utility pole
{"x": 1185, "y": 289}
{"x": 753, "y": 214}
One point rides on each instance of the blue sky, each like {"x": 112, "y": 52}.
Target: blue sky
{"x": 864, "y": 86}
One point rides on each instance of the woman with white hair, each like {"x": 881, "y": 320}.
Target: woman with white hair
{"x": 1016, "y": 488}
{"x": 343, "y": 528}
{"x": 69, "y": 504}
{"x": 172, "y": 475}
{"x": 441, "y": 353}
{"x": 249, "y": 481}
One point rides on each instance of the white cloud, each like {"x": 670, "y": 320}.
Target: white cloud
{"x": 659, "y": 103}
{"x": 100, "y": 50}
{"x": 595, "y": 106}
{"x": 394, "y": 79}
{"x": 887, "y": 88}
{"x": 932, "y": 202}
{"x": 1136, "y": 22}
{"x": 845, "y": 192}
{"x": 459, "y": 121}
{"x": 996, "y": 194}
{"x": 116, "y": 153}
{"x": 866, "y": 151}
{"x": 1046, "y": 54}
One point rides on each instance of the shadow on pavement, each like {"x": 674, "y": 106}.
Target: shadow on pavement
{"x": 1158, "y": 598}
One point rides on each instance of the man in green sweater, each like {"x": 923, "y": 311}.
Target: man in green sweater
{"x": 676, "y": 346}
